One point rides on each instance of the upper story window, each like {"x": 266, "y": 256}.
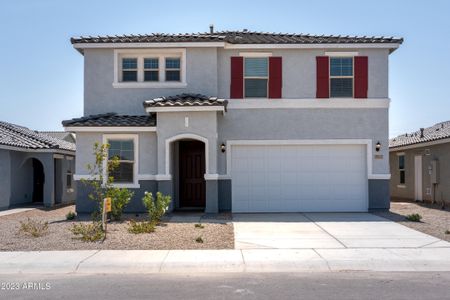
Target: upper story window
{"x": 341, "y": 77}
{"x": 151, "y": 69}
{"x": 147, "y": 68}
{"x": 256, "y": 77}
{"x": 401, "y": 168}
{"x": 129, "y": 69}
{"x": 173, "y": 69}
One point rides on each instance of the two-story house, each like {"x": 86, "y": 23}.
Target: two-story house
{"x": 239, "y": 120}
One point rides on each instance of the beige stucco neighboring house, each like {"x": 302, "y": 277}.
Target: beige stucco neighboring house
{"x": 420, "y": 164}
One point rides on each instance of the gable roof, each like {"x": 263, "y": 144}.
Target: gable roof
{"x": 21, "y": 137}
{"x": 436, "y": 132}
{"x": 112, "y": 119}
{"x": 62, "y": 135}
{"x": 238, "y": 37}
{"x": 185, "y": 99}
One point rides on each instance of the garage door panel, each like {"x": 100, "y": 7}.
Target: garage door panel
{"x": 298, "y": 178}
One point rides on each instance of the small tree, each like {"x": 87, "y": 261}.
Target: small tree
{"x": 101, "y": 183}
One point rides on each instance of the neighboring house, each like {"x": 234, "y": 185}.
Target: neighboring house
{"x": 62, "y": 135}
{"x": 35, "y": 168}
{"x": 420, "y": 164}
{"x": 239, "y": 120}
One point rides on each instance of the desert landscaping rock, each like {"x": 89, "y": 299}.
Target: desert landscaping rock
{"x": 168, "y": 235}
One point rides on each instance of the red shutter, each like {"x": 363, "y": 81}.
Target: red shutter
{"x": 237, "y": 77}
{"x": 275, "y": 77}
{"x": 323, "y": 77}
{"x": 361, "y": 76}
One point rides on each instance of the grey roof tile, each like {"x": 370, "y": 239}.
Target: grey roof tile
{"x": 18, "y": 136}
{"x": 238, "y": 37}
{"x": 186, "y": 99}
{"x": 436, "y": 132}
{"x": 112, "y": 119}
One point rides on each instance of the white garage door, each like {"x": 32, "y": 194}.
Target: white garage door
{"x": 299, "y": 178}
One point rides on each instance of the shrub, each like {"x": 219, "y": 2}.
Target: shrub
{"x": 199, "y": 240}
{"x": 156, "y": 208}
{"x": 34, "y": 228}
{"x": 120, "y": 197}
{"x": 91, "y": 232}
{"x": 70, "y": 215}
{"x": 414, "y": 217}
{"x": 141, "y": 227}
{"x": 201, "y": 226}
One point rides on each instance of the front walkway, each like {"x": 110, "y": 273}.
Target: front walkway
{"x": 326, "y": 231}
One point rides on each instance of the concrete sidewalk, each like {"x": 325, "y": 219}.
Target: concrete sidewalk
{"x": 254, "y": 260}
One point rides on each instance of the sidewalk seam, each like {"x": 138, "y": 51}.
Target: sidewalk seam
{"x": 315, "y": 223}
{"x": 326, "y": 261}
{"x": 163, "y": 261}
{"x": 243, "y": 261}
{"x": 84, "y": 259}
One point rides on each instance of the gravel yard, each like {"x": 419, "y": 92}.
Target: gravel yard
{"x": 178, "y": 232}
{"x": 435, "y": 221}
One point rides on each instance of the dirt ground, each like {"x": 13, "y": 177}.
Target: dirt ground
{"x": 435, "y": 221}
{"x": 180, "y": 234}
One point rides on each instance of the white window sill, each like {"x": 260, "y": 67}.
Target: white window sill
{"x": 126, "y": 185}
{"x": 134, "y": 85}
{"x": 401, "y": 186}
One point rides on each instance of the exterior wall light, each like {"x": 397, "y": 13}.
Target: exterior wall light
{"x": 378, "y": 147}
{"x": 222, "y": 148}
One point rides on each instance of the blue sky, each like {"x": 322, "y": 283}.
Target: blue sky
{"x": 41, "y": 78}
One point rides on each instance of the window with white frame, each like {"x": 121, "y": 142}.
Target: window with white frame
{"x": 401, "y": 168}
{"x": 256, "y": 77}
{"x": 149, "y": 68}
{"x": 129, "y": 69}
{"x": 173, "y": 69}
{"x": 341, "y": 77}
{"x": 123, "y": 151}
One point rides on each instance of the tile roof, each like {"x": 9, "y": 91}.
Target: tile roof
{"x": 187, "y": 99}
{"x": 436, "y": 132}
{"x": 112, "y": 119}
{"x": 58, "y": 134}
{"x": 18, "y": 136}
{"x": 238, "y": 37}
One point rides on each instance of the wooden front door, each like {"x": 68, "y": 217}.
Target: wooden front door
{"x": 192, "y": 172}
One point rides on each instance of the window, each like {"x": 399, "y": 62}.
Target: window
{"x": 124, "y": 151}
{"x": 341, "y": 77}
{"x": 256, "y": 76}
{"x": 173, "y": 69}
{"x": 129, "y": 69}
{"x": 401, "y": 168}
{"x": 69, "y": 179}
{"x": 151, "y": 69}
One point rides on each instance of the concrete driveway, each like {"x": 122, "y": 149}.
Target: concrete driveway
{"x": 326, "y": 231}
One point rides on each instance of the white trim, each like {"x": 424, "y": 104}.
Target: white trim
{"x": 185, "y": 108}
{"x": 234, "y": 46}
{"x": 19, "y": 149}
{"x": 211, "y": 176}
{"x": 163, "y": 177}
{"x": 135, "y": 138}
{"x": 109, "y": 129}
{"x": 58, "y": 156}
{"x": 400, "y": 153}
{"x": 366, "y": 142}
{"x": 380, "y": 176}
{"x": 78, "y": 177}
{"x": 313, "y": 46}
{"x": 342, "y": 54}
{"x": 127, "y": 185}
{"x": 147, "y": 45}
{"x": 308, "y": 103}
{"x": 255, "y": 54}
{"x": 139, "y": 177}
{"x": 69, "y": 157}
{"x": 146, "y": 177}
{"x": 181, "y": 137}
{"x": 420, "y": 145}
{"x": 401, "y": 186}
{"x": 140, "y": 54}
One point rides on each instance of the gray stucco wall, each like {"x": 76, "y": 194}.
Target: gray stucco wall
{"x": 5, "y": 179}
{"x": 379, "y": 194}
{"x": 100, "y": 96}
{"x": 441, "y": 192}
{"x": 281, "y": 124}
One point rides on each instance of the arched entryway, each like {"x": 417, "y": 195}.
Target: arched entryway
{"x": 38, "y": 181}
{"x": 191, "y": 174}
